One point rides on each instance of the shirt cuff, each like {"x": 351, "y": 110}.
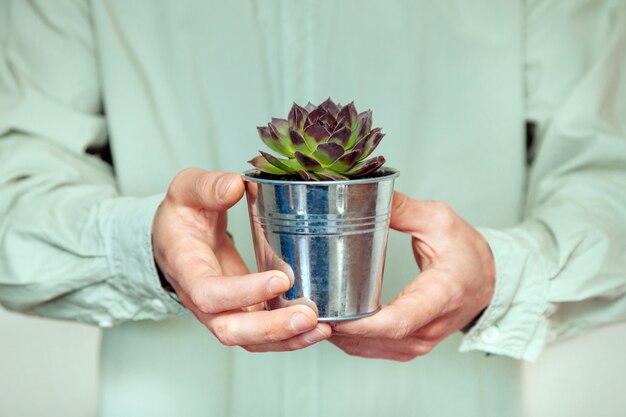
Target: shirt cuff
{"x": 515, "y": 323}
{"x": 127, "y": 233}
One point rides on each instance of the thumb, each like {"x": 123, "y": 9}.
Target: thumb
{"x": 210, "y": 190}
{"x": 409, "y": 215}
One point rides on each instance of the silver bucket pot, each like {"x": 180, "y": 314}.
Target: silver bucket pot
{"x": 329, "y": 236}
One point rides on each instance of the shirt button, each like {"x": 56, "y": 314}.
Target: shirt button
{"x": 490, "y": 335}
{"x": 105, "y": 323}
{"x": 158, "y": 305}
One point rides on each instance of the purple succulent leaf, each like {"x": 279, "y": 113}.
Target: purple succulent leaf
{"x": 345, "y": 162}
{"x": 348, "y": 115}
{"x": 309, "y": 176}
{"x": 274, "y": 142}
{"x": 367, "y": 145}
{"x": 305, "y": 175}
{"x": 327, "y": 153}
{"x": 317, "y": 133}
{"x": 330, "y": 107}
{"x": 329, "y": 121}
{"x": 282, "y": 164}
{"x": 366, "y": 167}
{"x": 340, "y": 136}
{"x": 330, "y": 175}
{"x": 263, "y": 165}
{"x": 307, "y": 162}
{"x": 315, "y": 115}
{"x": 310, "y": 107}
{"x": 297, "y": 117}
{"x": 364, "y": 123}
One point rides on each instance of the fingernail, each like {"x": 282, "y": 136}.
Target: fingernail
{"x": 278, "y": 285}
{"x": 314, "y": 336}
{"x": 300, "y": 322}
{"x": 223, "y": 184}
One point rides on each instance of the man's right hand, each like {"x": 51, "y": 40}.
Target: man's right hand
{"x": 199, "y": 260}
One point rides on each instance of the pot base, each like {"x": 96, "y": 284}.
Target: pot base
{"x": 358, "y": 316}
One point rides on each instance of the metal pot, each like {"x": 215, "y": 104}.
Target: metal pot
{"x": 329, "y": 236}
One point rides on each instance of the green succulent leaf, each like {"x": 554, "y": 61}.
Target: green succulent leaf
{"x": 262, "y": 164}
{"x": 308, "y": 162}
{"x": 279, "y": 131}
{"x": 298, "y": 143}
{"x": 282, "y": 164}
{"x": 345, "y": 162}
{"x": 325, "y": 142}
{"x": 315, "y": 134}
{"x": 327, "y": 153}
{"x": 330, "y": 175}
{"x": 364, "y": 124}
{"x": 274, "y": 142}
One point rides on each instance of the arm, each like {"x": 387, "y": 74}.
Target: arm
{"x": 71, "y": 247}
{"x": 570, "y": 250}
{"x": 563, "y": 270}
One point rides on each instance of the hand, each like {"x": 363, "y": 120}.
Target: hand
{"x": 456, "y": 284}
{"x": 199, "y": 260}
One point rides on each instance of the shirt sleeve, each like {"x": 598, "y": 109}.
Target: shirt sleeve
{"x": 563, "y": 269}
{"x": 70, "y": 246}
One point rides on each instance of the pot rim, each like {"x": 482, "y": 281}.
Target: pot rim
{"x": 388, "y": 173}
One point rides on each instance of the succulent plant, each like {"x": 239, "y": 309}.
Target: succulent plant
{"x": 325, "y": 142}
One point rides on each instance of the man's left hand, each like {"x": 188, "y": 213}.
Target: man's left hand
{"x": 455, "y": 285}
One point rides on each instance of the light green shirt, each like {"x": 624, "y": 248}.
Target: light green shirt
{"x": 173, "y": 84}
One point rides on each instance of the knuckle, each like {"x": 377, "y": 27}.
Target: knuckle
{"x": 270, "y": 335}
{"x": 431, "y": 332}
{"x": 402, "y": 329}
{"x": 293, "y": 345}
{"x": 444, "y": 216}
{"x": 419, "y": 349}
{"x": 223, "y": 333}
{"x": 202, "y": 184}
{"x": 199, "y": 298}
{"x": 179, "y": 181}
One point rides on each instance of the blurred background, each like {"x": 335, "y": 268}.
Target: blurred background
{"x": 49, "y": 368}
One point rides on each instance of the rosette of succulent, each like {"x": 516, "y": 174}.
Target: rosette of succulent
{"x": 328, "y": 142}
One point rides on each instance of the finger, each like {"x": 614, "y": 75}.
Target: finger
{"x": 256, "y": 307}
{"x": 210, "y": 190}
{"x": 230, "y": 260}
{"x": 212, "y": 294}
{"x": 410, "y": 215}
{"x": 321, "y": 332}
{"x": 424, "y": 300}
{"x": 261, "y": 327}
{"x": 402, "y": 350}
{"x": 436, "y": 330}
